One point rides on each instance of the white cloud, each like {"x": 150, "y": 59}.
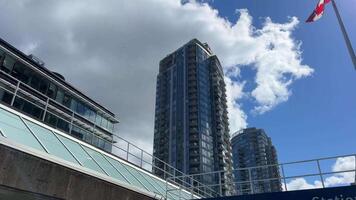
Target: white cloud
{"x": 300, "y": 184}
{"x": 237, "y": 117}
{"x": 111, "y": 51}
{"x": 336, "y": 179}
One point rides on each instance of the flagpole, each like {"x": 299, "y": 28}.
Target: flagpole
{"x": 346, "y": 37}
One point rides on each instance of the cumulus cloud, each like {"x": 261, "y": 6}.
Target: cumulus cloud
{"x": 237, "y": 116}
{"x": 338, "y": 178}
{"x": 300, "y": 184}
{"x": 111, "y": 51}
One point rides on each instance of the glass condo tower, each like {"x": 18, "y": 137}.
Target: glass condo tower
{"x": 191, "y": 125}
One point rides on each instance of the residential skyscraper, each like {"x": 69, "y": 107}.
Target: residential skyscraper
{"x": 191, "y": 123}
{"x": 252, "y": 147}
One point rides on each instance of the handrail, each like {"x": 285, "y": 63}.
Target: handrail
{"x": 168, "y": 171}
{"x": 250, "y": 185}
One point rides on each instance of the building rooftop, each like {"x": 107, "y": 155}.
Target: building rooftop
{"x": 54, "y": 75}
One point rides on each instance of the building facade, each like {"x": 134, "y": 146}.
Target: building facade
{"x": 252, "y": 147}
{"x": 191, "y": 125}
{"x": 29, "y": 87}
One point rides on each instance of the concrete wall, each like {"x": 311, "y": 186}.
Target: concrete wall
{"x": 47, "y": 180}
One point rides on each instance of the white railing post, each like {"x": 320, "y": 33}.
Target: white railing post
{"x": 45, "y": 111}
{"x": 127, "y": 151}
{"x": 71, "y": 123}
{"x": 15, "y": 93}
{"x": 141, "y": 158}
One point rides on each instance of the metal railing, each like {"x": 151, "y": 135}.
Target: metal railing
{"x": 122, "y": 148}
{"x": 314, "y": 173}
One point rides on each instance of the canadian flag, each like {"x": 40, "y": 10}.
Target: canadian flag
{"x": 319, "y": 11}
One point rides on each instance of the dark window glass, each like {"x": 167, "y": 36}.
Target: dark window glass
{"x": 63, "y": 125}
{"x": 37, "y": 112}
{"x": 2, "y": 57}
{"x": 108, "y": 146}
{"x": 67, "y": 100}
{"x": 35, "y": 81}
{"x": 18, "y": 103}
{"x": 8, "y": 63}
{"x": 88, "y": 137}
{"x": 52, "y": 90}
{"x": 92, "y": 115}
{"x": 60, "y": 96}
{"x": 104, "y": 122}
{"x": 20, "y": 72}
{"x": 5, "y": 96}
{"x": 80, "y": 109}
{"x": 95, "y": 141}
{"x": 74, "y": 104}
{"x": 101, "y": 143}
{"x": 28, "y": 108}
{"x": 44, "y": 84}
{"x": 51, "y": 119}
{"x": 77, "y": 132}
{"x": 32, "y": 110}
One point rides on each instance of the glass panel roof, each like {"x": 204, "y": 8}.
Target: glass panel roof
{"x": 80, "y": 154}
{"x": 18, "y": 130}
{"x": 13, "y": 128}
{"x": 104, "y": 164}
{"x": 51, "y": 142}
{"x": 131, "y": 178}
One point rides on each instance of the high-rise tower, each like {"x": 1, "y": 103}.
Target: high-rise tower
{"x": 191, "y": 123}
{"x": 252, "y": 147}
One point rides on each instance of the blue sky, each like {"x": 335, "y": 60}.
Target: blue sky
{"x": 319, "y": 119}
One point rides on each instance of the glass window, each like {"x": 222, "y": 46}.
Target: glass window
{"x": 110, "y": 126}
{"x": 51, "y": 142}
{"x": 101, "y": 143}
{"x": 5, "y": 96}
{"x": 88, "y": 137}
{"x": 51, "y": 119}
{"x": 60, "y": 96}
{"x": 80, "y": 154}
{"x": 63, "y": 125}
{"x": 77, "y": 132}
{"x": 2, "y": 57}
{"x": 44, "y": 84}
{"x": 74, "y": 104}
{"x": 92, "y": 115}
{"x": 104, "y": 122}
{"x": 8, "y": 63}
{"x": 67, "y": 100}
{"x": 81, "y": 109}
{"x": 52, "y": 90}
{"x": 95, "y": 141}
{"x": 13, "y": 127}
{"x": 98, "y": 119}
{"x": 35, "y": 81}
{"x": 108, "y": 146}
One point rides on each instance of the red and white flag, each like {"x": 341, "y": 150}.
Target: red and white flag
{"x": 319, "y": 11}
